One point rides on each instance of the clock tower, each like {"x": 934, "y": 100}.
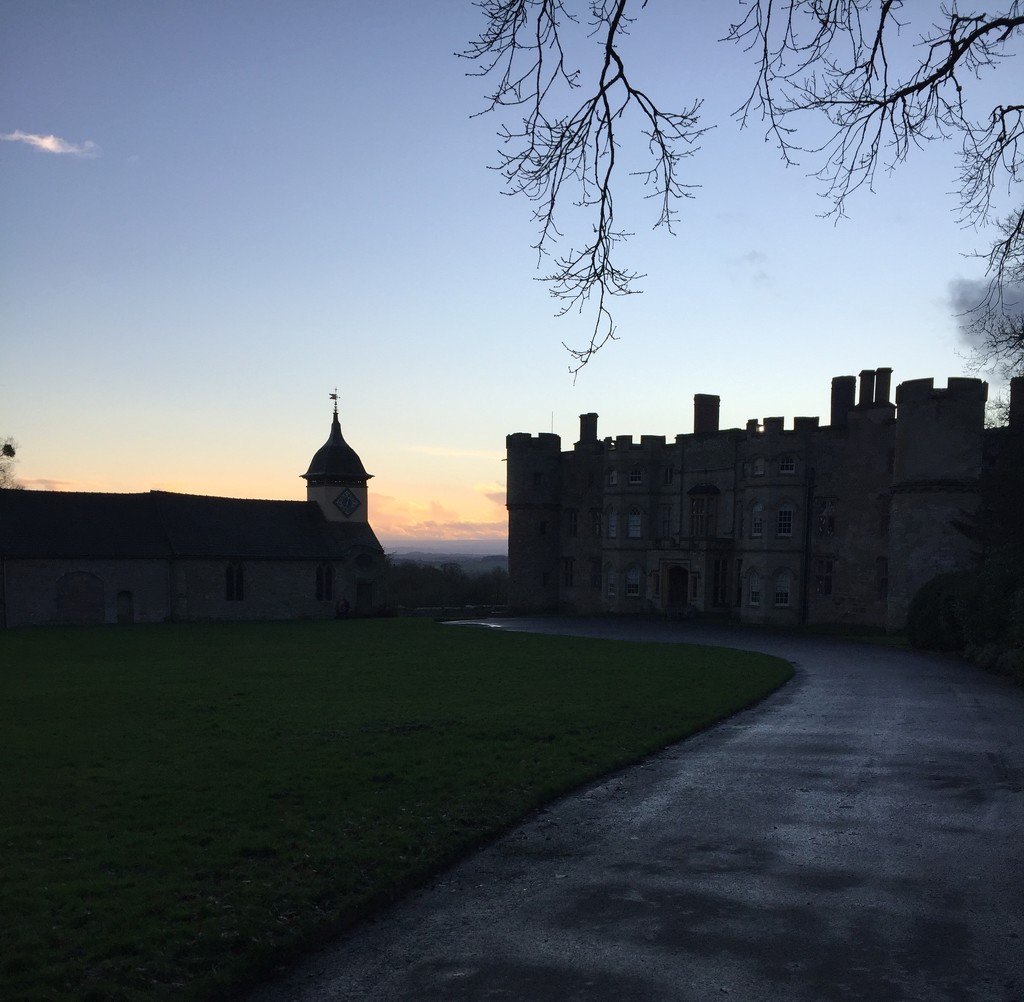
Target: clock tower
{"x": 336, "y": 479}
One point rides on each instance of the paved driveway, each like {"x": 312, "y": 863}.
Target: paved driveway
{"x": 858, "y": 835}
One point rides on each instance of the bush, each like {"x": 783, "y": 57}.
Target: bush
{"x": 934, "y": 620}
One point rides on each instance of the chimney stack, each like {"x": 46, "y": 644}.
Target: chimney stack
{"x": 588, "y": 428}
{"x": 867, "y": 388}
{"x": 705, "y": 413}
{"x": 883, "y": 380}
{"x": 844, "y": 389}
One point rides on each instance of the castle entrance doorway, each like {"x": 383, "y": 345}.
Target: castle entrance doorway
{"x": 678, "y": 588}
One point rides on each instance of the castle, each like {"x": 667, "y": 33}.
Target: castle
{"x": 840, "y": 523}
{"x": 72, "y": 557}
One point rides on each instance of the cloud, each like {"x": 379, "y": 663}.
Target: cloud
{"x": 52, "y": 144}
{"x": 48, "y": 484}
{"x": 965, "y": 294}
{"x": 751, "y": 267}
{"x": 969, "y": 301}
{"x": 400, "y": 520}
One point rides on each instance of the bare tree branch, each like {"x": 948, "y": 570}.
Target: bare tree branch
{"x": 849, "y": 62}
{"x": 854, "y": 65}
{"x": 522, "y": 47}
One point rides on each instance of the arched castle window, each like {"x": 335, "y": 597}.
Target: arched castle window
{"x": 633, "y": 525}
{"x": 613, "y": 524}
{"x": 757, "y": 467}
{"x": 633, "y": 582}
{"x": 784, "y": 520}
{"x": 783, "y": 583}
{"x": 234, "y": 582}
{"x": 611, "y": 582}
{"x": 754, "y": 588}
{"x": 757, "y": 519}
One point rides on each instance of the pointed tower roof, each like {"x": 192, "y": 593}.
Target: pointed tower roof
{"x": 336, "y": 462}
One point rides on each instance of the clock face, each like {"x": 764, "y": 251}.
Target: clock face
{"x": 346, "y": 502}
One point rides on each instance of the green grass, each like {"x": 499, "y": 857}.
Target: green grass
{"x": 184, "y": 807}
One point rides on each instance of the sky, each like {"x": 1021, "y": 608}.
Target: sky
{"x": 217, "y": 212}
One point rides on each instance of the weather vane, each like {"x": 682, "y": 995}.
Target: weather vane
{"x": 334, "y": 397}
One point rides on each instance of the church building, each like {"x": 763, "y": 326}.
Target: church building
{"x": 71, "y": 557}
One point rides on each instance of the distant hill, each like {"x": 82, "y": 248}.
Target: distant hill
{"x": 447, "y": 547}
{"x": 471, "y": 563}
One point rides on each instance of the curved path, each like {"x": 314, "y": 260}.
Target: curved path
{"x": 858, "y": 835}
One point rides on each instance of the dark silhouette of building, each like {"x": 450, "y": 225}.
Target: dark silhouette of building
{"x": 113, "y": 558}
{"x": 808, "y": 524}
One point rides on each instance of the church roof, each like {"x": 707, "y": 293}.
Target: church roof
{"x": 336, "y": 461}
{"x": 159, "y": 524}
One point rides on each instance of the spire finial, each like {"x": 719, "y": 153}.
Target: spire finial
{"x": 334, "y": 397}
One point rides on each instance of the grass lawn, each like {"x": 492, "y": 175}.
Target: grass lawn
{"x": 187, "y": 806}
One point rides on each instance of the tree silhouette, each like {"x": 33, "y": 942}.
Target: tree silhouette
{"x": 883, "y": 89}
{"x": 8, "y": 449}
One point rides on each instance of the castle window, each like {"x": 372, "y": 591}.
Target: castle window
{"x": 787, "y": 464}
{"x": 656, "y": 584}
{"x": 666, "y": 520}
{"x": 782, "y": 584}
{"x": 757, "y": 520}
{"x": 595, "y": 522}
{"x": 823, "y": 570}
{"x": 826, "y": 517}
{"x": 636, "y": 475}
{"x": 613, "y": 478}
{"x": 613, "y": 524}
{"x": 324, "y": 582}
{"x": 567, "y": 572}
{"x": 610, "y": 591}
{"x": 784, "y": 522}
{"x": 234, "y": 582}
{"x": 719, "y": 581}
{"x": 633, "y": 582}
{"x": 633, "y": 525}
{"x": 666, "y": 475}
{"x": 758, "y": 467}
{"x": 754, "y": 588}
{"x": 698, "y": 517}
{"x": 572, "y": 520}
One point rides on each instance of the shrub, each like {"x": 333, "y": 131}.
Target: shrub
{"x": 934, "y": 620}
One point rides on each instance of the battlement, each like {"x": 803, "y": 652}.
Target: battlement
{"x": 957, "y": 389}
{"x": 544, "y": 442}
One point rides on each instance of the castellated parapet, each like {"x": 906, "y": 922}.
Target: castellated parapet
{"x": 836, "y": 523}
